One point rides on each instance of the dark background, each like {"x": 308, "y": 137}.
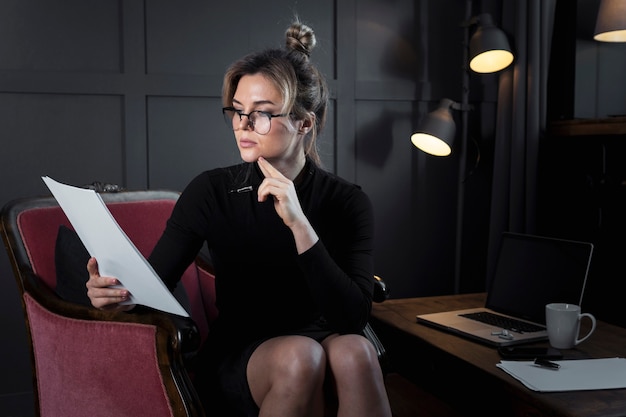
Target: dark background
{"x": 128, "y": 92}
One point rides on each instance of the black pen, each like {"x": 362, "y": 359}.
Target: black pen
{"x": 544, "y": 363}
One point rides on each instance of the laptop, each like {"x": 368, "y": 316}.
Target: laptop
{"x": 531, "y": 271}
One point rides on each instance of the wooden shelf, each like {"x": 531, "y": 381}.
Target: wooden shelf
{"x": 589, "y": 127}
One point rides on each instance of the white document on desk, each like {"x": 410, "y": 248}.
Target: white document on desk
{"x": 117, "y": 256}
{"x": 573, "y": 375}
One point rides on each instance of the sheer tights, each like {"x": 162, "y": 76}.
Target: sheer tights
{"x": 297, "y": 376}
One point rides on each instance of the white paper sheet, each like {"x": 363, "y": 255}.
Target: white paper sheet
{"x": 117, "y": 256}
{"x": 574, "y": 375}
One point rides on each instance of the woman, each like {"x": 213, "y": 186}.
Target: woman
{"x": 291, "y": 246}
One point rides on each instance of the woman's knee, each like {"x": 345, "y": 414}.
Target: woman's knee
{"x": 287, "y": 373}
{"x": 353, "y": 353}
{"x": 289, "y": 359}
{"x": 301, "y": 357}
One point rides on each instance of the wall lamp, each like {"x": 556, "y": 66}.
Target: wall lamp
{"x": 611, "y": 21}
{"x": 437, "y": 130}
{"x": 487, "y": 51}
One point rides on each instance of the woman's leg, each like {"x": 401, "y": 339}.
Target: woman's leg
{"x": 357, "y": 375}
{"x": 286, "y": 377}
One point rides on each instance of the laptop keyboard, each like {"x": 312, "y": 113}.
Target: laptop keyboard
{"x": 503, "y": 322}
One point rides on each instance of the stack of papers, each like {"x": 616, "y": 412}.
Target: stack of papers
{"x": 573, "y": 375}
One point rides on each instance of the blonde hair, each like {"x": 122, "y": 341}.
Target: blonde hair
{"x": 301, "y": 84}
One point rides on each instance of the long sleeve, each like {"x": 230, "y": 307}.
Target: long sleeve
{"x": 339, "y": 268}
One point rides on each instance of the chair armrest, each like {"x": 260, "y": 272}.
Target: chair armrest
{"x": 186, "y": 336}
{"x": 170, "y": 338}
{"x": 183, "y": 332}
{"x": 381, "y": 352}
{"x": 204, "y": 263}
{"x": 381, "y": 292}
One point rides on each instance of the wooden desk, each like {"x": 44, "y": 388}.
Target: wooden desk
{"x": 463, "y": 373}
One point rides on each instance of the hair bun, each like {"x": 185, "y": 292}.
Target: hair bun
{"x": 301, "y": 38}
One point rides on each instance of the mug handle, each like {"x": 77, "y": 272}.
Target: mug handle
{"x": 593, "y": 326}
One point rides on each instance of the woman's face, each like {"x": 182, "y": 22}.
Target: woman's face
{"x": 281, "y": 144}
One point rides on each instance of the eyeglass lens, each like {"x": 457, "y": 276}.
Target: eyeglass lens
{"x": 259, "y": 121}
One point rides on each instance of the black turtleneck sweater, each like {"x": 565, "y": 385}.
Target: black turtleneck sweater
{"x": 263, "y": 287}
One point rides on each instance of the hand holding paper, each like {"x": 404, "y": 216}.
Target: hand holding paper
{"x": 106, "y": 292}
{"x": 117, "y": 256}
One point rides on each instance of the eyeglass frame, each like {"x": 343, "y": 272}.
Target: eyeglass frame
{"x": 250, "y": 122}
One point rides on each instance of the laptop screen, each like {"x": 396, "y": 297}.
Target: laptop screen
{"x": 532, "y": 271}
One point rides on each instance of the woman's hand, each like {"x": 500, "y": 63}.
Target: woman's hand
{"x": 282, "y": 190}
{"x": 287, "y": 205}
{"x": 101, "y": 294}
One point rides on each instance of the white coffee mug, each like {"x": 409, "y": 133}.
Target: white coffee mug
{"x": 563, "y": 324}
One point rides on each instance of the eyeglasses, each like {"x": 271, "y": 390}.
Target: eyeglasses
{"x": 260, "y": 121}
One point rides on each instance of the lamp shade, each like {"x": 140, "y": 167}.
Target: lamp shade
{"x": 436, "y": 132}
{"x": 489, "y": 47}
{"x": 611, "y": 21}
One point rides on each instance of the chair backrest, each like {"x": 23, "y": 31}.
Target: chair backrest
{"x": 29, "y": 228}
{"x": 34, "y": 224}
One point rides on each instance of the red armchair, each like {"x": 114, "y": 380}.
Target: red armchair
{"x": 88, "y": 362}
